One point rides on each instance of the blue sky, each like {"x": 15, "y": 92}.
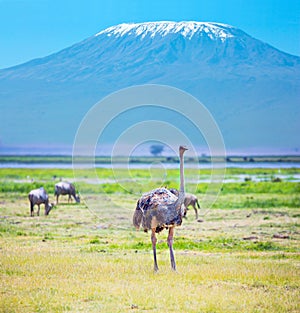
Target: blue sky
{"x": 36, "y": 28}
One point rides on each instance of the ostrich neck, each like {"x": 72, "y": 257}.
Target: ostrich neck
{"x": 181, "y": 190}
{"x": 181, "y": 175}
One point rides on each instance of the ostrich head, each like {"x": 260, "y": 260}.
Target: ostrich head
{"x": 182, "y": 149}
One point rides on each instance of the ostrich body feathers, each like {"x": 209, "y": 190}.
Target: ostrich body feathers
{"x": 157, "y": 209}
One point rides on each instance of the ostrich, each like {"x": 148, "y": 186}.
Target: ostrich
{"x": 159, "y": 209}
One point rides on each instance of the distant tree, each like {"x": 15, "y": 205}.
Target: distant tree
{"x": 156, "y": 149}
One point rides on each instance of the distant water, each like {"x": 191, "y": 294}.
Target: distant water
{"x": 275, "y": 165}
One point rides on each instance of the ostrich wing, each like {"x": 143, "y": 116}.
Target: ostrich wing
{"x": 158, "y": 196}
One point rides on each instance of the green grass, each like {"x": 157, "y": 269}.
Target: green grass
{"x": 90, "y": 258}
{"x": 40, "y": 173}
{"x": 262, "y": 187}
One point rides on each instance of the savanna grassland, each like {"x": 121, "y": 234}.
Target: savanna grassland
{"x": 241, "y": 255}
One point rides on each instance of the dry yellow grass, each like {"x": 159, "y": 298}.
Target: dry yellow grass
{"x": 52, "y": 277}
{"x": 74, "y": 261}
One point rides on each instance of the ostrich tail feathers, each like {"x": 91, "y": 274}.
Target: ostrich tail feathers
{"x": 137, "y": 217}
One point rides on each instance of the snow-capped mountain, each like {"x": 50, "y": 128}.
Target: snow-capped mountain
{"x": 245, "y": 83}
{"x": 152, "y": 29}
{"x": 128, "y": 47}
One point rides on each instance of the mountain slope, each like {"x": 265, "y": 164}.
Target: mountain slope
{"x": 245, "y": 83}
{"x": 127, "y": 46}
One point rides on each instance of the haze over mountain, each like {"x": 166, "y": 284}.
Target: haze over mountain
{"x": 250, "y": 87}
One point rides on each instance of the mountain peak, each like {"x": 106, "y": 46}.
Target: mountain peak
{"x": 163, "y": 28}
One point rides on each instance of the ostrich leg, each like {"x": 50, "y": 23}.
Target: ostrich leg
{"x": 154, "y": 240}
{"x": 170, "y": 244}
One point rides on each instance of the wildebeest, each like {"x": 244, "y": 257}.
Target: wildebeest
{"x": 37, "y": 197}
{"x": 192, "y": 200}
{"x": 189, "y": 199}
{"x": 64, "y": 188}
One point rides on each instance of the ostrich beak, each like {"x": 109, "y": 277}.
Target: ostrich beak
{"x": 184, "y": 148}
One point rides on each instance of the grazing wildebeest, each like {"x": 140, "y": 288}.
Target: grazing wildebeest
{"x": 37, "y": 197}
{"x": 64, "y": 188}
{"x": 189, "y": 199}
{"x": 192, "y": 200}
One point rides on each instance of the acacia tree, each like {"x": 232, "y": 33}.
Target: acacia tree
{"x": 156, "y": 149}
